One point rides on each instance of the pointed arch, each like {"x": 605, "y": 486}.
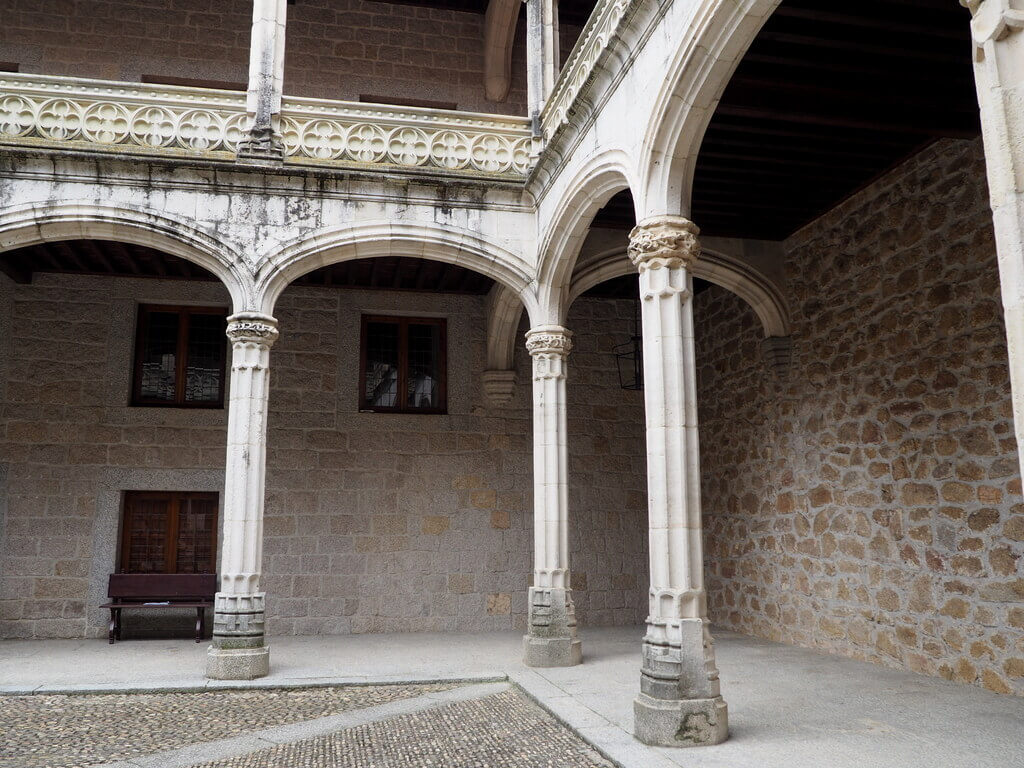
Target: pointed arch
{"x": 750, "y": 284}
{"x": 561, "y": 240}
{"x": 697, "y": 74}
{"x": 372, "y": 239}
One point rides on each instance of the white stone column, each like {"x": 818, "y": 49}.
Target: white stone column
{"x": 997, "y": 30}
{"x": 542, "y": 55}
{"x": 266, "y": 81}
{"x": 238, "y": 651}
{"x": 551, "y": 634}
{"x": 679, "y": 702}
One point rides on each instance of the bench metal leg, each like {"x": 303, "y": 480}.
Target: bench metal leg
{"x": 114, "y": 628}
{"x": 200, "y": 617}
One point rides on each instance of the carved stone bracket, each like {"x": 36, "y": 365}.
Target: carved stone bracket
{"x": 499, "y": 387}
{"x": 778, "y": 354}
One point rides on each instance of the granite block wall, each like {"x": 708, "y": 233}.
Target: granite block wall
{"x": 374, "y": 522}
{"x": 336, "y": 49}
{"x": 870, "y": 503}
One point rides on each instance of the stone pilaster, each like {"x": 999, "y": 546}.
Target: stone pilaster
{"x": 679, "y": 703}
{"x": 551, "y": 634}
{"x": 238, "y": 651}
{"x": 997, "y": 31}
{"x": 266, "y": 82}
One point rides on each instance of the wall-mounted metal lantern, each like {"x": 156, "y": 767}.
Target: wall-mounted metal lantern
{"x": 629, "y": 357}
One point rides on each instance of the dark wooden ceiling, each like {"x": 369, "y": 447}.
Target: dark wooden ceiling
{"x": 101, "y": 257}
{"x": 575, "y": 12}
{"x": 831, "y": 94}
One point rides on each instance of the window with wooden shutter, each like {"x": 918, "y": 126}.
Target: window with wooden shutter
{"x": 403, "y": 365}
{"x": 169, "y": 532}
{"x": 179, "y": 356}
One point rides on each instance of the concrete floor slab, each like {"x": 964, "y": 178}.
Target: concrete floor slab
{"x": 788, "y": 706}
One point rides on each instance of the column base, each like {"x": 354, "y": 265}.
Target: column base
{"x": 552, "y": 651}
{"x": 262, "y": 145}
{"x": 551, "y": 639}
{"x": 237, "y": 663}
{"x": 680, "y": 723}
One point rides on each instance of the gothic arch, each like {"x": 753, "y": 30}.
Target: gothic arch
{"x": 562, "y": 238}
{"x": 385, "y": 238}
{"x": 34, "y": 223}
{"x": 697, "y": 74}
{"x": 751, "y": 285}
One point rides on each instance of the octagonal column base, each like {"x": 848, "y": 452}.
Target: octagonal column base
{"x": 237, "y": 663}
{"x": 681, "y": 722}
{"x": 552, "y": 651}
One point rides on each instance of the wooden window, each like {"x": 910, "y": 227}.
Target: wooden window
{"x": 169, "y": 532}
{"x": 179, "y": 356}
{"x": 403, "y": 363}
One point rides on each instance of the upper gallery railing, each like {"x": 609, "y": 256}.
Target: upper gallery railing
{"x": 600, "y": 28}
{"x": 130, "y": 118}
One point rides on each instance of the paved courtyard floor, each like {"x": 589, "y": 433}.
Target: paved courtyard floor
{"x": 788, "y": 707}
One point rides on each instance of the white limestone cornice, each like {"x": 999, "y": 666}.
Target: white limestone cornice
{"x": 664, "y": 241}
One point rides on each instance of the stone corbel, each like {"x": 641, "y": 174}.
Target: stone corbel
{"x": 777, "y": 352}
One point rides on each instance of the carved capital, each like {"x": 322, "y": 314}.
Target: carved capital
{"x": 549, "y": 340}
{"x": 992, "y": 20}
{"x": 664, "y": 241}
{"x": 252, "y": 328}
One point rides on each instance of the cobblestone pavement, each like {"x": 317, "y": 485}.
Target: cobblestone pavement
{"x": 505, "y": 730}
{"x": 74, "y": 731}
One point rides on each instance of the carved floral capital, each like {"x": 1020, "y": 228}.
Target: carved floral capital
{"x": 664, "y": 241}
{"x": 252, "y": 328}
{"x": 549, "y": 340}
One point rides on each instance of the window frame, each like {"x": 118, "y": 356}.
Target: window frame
{"x": 403, "y": 322}
{"x": 184, "y": 313}
{"x": 174, "y": 499}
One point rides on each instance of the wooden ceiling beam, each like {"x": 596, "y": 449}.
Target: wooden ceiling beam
{"x": 13, "y": 266}
{"x": 924, "y": 128}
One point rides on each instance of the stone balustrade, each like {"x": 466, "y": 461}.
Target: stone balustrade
{"x": 149, "y": 119}
{"x": 579, "y": 68}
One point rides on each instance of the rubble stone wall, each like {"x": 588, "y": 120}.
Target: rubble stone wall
{"x": 870, "y": 504}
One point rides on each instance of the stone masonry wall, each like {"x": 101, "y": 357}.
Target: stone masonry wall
{"x": 336, "y": 49}
{"x": 374, "y": 522}
{"x": 870, "y": 505}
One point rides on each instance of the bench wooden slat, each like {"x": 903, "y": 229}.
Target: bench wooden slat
{"x": 159, "y": 590}
{"x": 162, "y": 586}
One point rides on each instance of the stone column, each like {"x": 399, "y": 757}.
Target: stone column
{"x": 542, "y": 57}
{"x": 551, "y": 635}
{"x": 679, "y": 702}
{"x": 238, "y": 651}
{"x": 266, "y": 82}
{"x": 997, "y": 30}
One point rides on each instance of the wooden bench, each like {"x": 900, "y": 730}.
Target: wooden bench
{"x": 160, "y": 590}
